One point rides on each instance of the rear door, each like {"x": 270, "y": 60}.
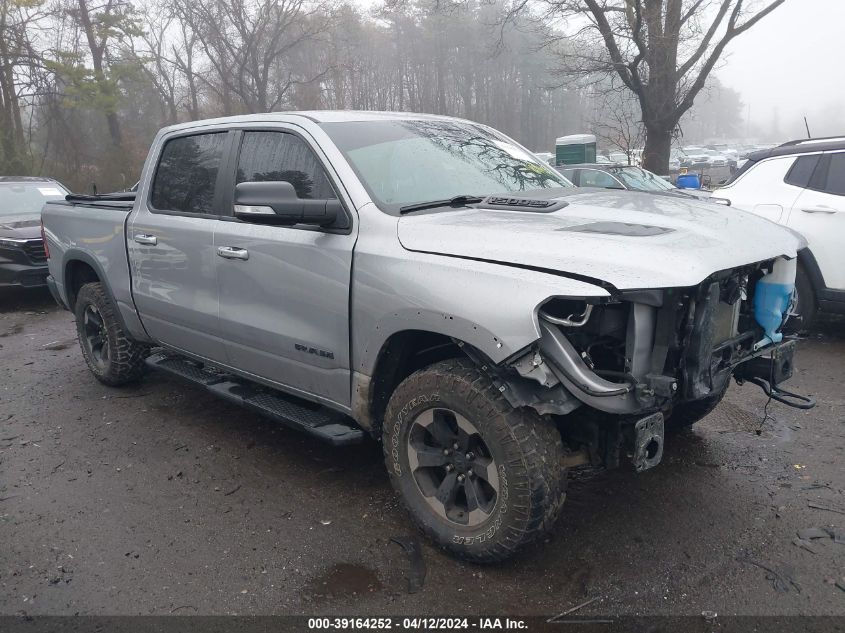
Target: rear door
{"x": 819, "y": 214}
{"x": 284, "y": 302}
{"x": 171, "y": 245}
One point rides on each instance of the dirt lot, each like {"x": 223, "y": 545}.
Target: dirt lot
{"x": 161, "y": 499}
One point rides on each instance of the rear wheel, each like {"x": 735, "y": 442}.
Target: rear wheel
{"x": 112, "y": 356}
{"x": 480, "y": 478}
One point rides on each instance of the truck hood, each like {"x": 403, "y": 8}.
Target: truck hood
{"x": 628, "y": 239}
{"x": 21, "y": 226}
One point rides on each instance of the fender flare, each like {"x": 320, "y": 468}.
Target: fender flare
{"x": 808, "y": 262}
{"x": 76, "y": 254}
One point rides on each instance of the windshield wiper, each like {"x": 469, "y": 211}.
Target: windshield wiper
{"x": 457, "y": 201}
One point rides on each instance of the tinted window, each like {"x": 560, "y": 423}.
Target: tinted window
{"x": 279, "y": 156}
{"x": 836, "y": 175}
{"x": 801, "y": 171}
{"x": 187, "y": 173}
{"x": 569, "y": 174}
{"x": 596, "y": 178}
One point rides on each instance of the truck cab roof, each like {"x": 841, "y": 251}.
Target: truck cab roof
{"x": 313, "y": 116}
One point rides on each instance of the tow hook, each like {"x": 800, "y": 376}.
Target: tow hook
{"x": 648, "y": 442}
{"x": 783, "y": 396}
{"x": 768, "y": 372}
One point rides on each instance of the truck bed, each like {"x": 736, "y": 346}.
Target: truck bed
{"x": 91, "y": 229}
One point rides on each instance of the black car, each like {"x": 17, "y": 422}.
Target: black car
{"x": 23, "y": 260}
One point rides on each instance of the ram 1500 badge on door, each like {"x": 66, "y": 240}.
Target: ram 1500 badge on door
{"x": 426, "y": 281}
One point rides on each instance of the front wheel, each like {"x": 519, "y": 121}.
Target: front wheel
{"x": 480, "y": 478}
{"x": 688, "y": 413}
{"x": 805, "y": 307}
{"x": 112, "y": 356}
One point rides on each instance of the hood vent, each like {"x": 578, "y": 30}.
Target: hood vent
{"x": 618, "y": 228}
{"x": 523, "y": 204}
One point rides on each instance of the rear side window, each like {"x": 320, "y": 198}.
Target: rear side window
{"x": 280, "y": 156}
{"x": 569, "y": 174}
{"x": 595, "y": 178}
{"x": 802, "y": 170}
{"x": 187, "y": 173}
{"x": 836, "y": 175}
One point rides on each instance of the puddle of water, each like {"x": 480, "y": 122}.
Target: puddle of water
{"x": 344, "y": 580}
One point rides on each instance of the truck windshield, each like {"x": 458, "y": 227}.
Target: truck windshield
{"x": 406, "y": 162}
{"x": 26, "y": 198}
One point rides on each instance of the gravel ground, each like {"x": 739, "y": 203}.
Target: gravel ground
{"x": 160, "y": 498}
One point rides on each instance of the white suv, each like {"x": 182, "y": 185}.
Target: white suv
{"x": 801, "y": 184}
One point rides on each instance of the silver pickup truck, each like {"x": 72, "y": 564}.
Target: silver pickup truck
{"x": 428, "y": 282}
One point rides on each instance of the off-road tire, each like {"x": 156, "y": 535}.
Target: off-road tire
{"x": 686, "y": 414}
{"x": 806, "y": 306}
{"x": 525, "y": 447}
{"x": 125, "y": 362}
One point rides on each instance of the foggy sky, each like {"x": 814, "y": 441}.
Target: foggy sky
{"x": 789, "y": 65}
{"x": 793, "y": 60}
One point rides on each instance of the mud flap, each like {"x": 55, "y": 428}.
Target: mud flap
{"x": 648, "y": 442}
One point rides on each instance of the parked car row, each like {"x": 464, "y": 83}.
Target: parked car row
{"x": 627, "y": 177}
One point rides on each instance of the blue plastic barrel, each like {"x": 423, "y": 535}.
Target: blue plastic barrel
{"x": 689, "y": 181}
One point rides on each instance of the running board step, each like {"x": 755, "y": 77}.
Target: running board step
{"x": 192, "y": 372}
{"x": 321, "y": 422}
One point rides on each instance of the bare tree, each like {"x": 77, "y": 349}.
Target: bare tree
{"x": 19, "y": 69}
{"x": 662, "y": 50}
{"x": 248, "y": 42}
{"x": 101, "y": 25}
{"x": 617, "y": 121}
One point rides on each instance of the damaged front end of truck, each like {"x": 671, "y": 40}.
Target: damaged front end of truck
{"x": 616, "y": 371}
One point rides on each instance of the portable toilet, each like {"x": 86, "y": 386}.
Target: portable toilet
{"x": 575, "y": 149}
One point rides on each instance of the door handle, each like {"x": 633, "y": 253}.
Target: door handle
{"x": 232, "y": 252}
{"x": 819, "y": 209}
{"x": 142, "y": 238}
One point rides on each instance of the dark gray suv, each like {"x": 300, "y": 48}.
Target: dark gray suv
{"x": 23, "y": 261}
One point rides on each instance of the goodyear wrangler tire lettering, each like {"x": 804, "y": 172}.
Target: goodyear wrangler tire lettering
{"x": 480, "y": 478}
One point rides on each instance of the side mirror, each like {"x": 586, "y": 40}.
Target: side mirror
{"x": 276, "y": 202}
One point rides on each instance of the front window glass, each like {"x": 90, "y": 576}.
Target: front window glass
{"x": 280, "y": 156}
{"x": 641, "y": 179}
{"x": 26, "y": 198}
{"x": 404, "y": 162}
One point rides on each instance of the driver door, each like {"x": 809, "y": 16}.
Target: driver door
{"x": 284, "y": 299}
